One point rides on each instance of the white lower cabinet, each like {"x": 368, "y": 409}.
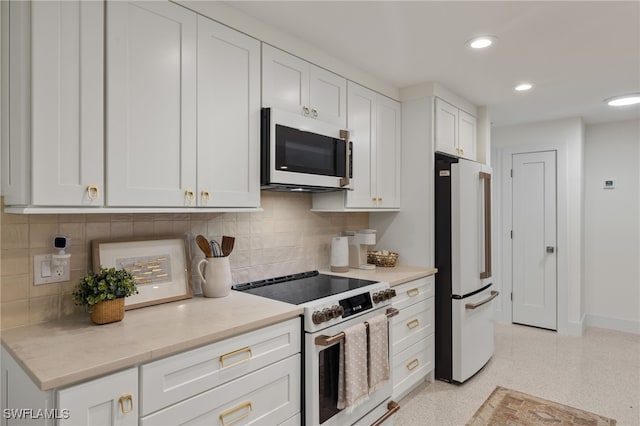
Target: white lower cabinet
{"x": 412, "y": 338}
{"x": 269, "y": 396}
{"x": 109, "y": 401}
{"x": 251, "y": 378}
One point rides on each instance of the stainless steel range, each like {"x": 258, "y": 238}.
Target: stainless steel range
{"x": 331, "y": 305}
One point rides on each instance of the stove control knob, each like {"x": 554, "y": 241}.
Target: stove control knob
{"x": 328, "y": 314}
{"x": 389, "y": 293}
{"x": 378, "y": 297}
{"x": 336, "y": 311}
{"x": 318, "y": 317}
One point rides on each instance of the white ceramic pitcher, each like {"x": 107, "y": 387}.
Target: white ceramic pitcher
{"x": 218, "y": 276}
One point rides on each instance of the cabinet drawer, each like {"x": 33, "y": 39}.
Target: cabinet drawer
{"x": 181, "y": 376}
{"x": 411, "y": 366}
{"x": 412, "y": 324}
{"x": 414, "y": 291}
{"x": 269, "y": 396}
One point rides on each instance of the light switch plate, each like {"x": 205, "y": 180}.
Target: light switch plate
{"x": 47, "y": 270}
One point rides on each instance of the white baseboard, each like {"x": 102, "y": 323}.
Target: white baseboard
{"x": 629, "y": 326}
{"x": 573, "y": 328}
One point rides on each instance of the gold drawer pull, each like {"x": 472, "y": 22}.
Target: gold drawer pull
{"x": 205, "y": 195}
{"x": 246, "y": 404}
{"x": 92, "y": 192}
{"x": 413, "y": 364}
{"x": 413, "y": 324}
{"x": 230, "y": 354}
{"x": 126, "y": 397}
{"x": 413, "y": 292}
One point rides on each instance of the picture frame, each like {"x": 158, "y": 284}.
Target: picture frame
{"x": 160, "y": 267}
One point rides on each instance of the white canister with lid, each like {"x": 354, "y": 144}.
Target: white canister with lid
{"x": 340, "y": 254}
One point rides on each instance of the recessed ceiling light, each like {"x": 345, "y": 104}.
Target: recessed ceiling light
{"x": 481, "y": 42}
{"x": 523, "y": 87}
{"x": 624, "y": 100}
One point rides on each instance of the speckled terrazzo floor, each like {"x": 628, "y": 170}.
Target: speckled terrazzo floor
{"x": 598, "y": 372}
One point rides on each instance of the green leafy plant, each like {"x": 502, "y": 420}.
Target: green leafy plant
{"x": 108, "y": 284}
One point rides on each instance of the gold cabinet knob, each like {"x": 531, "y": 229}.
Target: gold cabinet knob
{"x": 461, "y": 151}
{"x": 93, "y": 193}
{"x": 314, "y": 112}
{"x": 126, "y": 403}
{"x": 305, "y": 110}
{"x": 189, "y": 196}
{"x": 205, "y": 196}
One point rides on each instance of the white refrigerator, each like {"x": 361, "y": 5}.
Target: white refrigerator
{"x": 464, "y": 294}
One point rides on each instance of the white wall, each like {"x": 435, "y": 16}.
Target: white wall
{"x": 566, "y": 138}
{"x": 611, "y": 273}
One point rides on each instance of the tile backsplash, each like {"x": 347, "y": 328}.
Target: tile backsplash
{"x": 284, "y": 238}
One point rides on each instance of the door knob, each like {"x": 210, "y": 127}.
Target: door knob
{"x": 550, "y": 249}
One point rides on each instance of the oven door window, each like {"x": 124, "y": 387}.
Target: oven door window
{"x": 306, "y": 152}
{"x": 329, "y": 366}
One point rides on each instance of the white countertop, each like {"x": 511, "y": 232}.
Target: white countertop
{"x": 396, "y": 275}
{"x": 59, "y": 353}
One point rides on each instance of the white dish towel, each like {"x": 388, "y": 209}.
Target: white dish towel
{"x": 378, "y": 352}
{"x": 352, "y": 376}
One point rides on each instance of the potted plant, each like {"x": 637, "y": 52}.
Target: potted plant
{"x": 103, "y": 294}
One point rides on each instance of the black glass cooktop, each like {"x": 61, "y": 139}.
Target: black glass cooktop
{"x": 301, "y": 288}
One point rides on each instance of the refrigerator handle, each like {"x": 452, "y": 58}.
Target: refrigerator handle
{"x": 486, "y": 177}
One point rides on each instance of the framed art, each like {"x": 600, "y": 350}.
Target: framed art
{"x": 159, "y": 266}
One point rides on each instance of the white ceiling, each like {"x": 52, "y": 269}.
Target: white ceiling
{"x": 577, "y": 53}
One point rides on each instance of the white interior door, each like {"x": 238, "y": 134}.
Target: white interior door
{"x": 534, "y": 239}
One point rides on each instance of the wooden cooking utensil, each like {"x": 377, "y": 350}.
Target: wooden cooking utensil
{"x": 204, "y": 245}
{"x": 227, "y": 245}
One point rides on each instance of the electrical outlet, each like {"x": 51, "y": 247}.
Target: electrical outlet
{"x": 49, "y": 269}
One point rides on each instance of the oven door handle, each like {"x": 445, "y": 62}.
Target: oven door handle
{"x": 392, "y": 408}
{"x": 323, "y": 340}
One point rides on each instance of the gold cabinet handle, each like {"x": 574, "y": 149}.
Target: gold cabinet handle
{"x": 189, "y": 196}
{"x": 379, "y": 199}
{"x": 413, "y": 364}
{"x": 413, "y": 324}
{"x": 461, "y": 151}
{"x": 205, "y": 196}
{"x": 305, "y": 110}
{"x": 314, "y": 112}
{"x": 124, "y": 398}
{"x": 246, "y": 404}
{"x": 93, "y": 193}
{"x": 234, "y": 353}
{"x": 413, "y": 292}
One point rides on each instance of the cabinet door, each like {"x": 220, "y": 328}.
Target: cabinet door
{"x": 362, "y": 114}
{"x": 446, "y": 116}
{"x": 228, "y": 117}
{"x": 388, "y": 153}
{"x": 108, "y": 401}
{"x": 467, "y": 135}
{"x": 328, "y": 96}
{"x": 67, "y": 103}
{"x": 151, "y": 104}
{"x": 285, "y": 80}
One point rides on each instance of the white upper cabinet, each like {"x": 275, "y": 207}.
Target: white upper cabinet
{"x": 228, "y": 117}
{"x": 467, "y": 135}
{"x": 151, "y": 104}
{"x": 52, "y": 152}
{"x": 374, "y": 121}
{"x": 455, "y": 131}
{"x": 295, "y": 85}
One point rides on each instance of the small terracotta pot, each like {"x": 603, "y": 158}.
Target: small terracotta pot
{"x": 108, "y": 311}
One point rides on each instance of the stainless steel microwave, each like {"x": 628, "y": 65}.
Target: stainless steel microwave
{"x": 299, "y": 153}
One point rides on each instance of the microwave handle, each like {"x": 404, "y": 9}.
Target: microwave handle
{"x": 344, "y": 181}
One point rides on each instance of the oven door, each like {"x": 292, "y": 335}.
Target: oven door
{"x": 321, "y": 381}
{"x": 300, "y": 151}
